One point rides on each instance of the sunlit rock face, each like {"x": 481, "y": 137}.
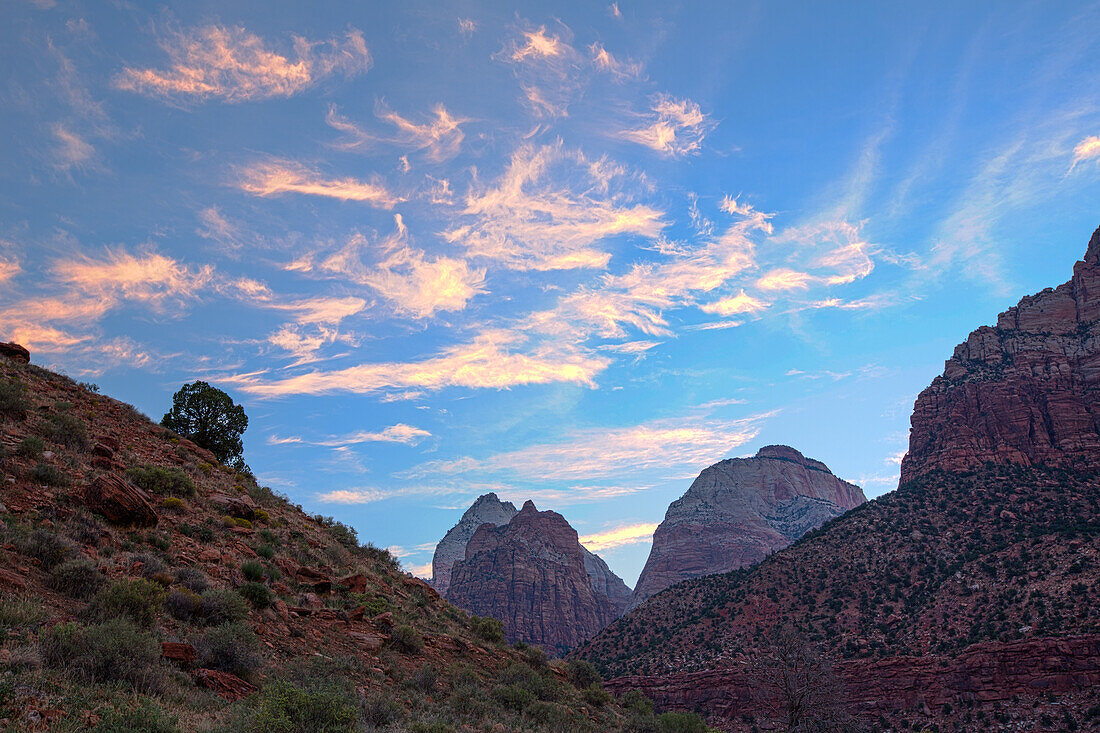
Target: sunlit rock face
{"x": 488, "y": 509}
{"x": 1023, "y": 392}
{"x": 530, "y": 573}
{"x": 740, "y": 510}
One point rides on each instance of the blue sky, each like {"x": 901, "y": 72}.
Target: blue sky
{"x": 568, "y": 252}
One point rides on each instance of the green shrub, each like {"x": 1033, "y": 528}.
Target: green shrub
{"x": 431, "y": 726}
{"x": 231, "y": 648}
{"x": 542, "y": 687}
{"x": 258, "y": 594}
{"x": 183, "y": 604}
{"x": 65, "y": 428}
{"x": 582, "y": 674}
{"x": 30, "y": 447}
{"x": 405, "y": 639}
{"x": 253, "y": 571}
{"x": 192, "y": 579}
{"x": 424, "y": 679}
{"x": 267, "y": 552}
{"x": 164, "y": 481}
{"x": 138, "y": 599}
{"x": 143, "y": 715}
{"x": 116, "y": 650}
{"x": 17, "y": 612}
{"x": 596, "y": 695}
{"x": 513, "y": 697}
{"x": 637, "y": 703}
{"x": 48, "y": 475}
{"x": 13, "y": 397}
{"x": 381, "y": 710}
{"x": 221, "y": 606}
{"x": 172, "y": 504}
{"x": 202, "y": 534}
{"x": 282, "y": 707}
{"x": 49, "y": 548}
{"x": 79, "y": 578}
{"x": 342, "y": 533}
{"x": 262, "y": 516}
{"x": 680, "y": 723}
{"x": 487, "y": 628}
{"x": 381, "y": 555}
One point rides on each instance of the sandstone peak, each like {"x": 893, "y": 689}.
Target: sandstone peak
{"x": 487, "y": 509}
{"x": 740, "y": 510}
{"x": 1023, "y": 392}
{"x": 529, "y": 506}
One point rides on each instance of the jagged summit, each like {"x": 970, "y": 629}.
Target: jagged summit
{"x": 487, "y": 509}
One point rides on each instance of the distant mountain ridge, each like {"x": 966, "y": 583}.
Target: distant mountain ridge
{"x": 740, "y": 510}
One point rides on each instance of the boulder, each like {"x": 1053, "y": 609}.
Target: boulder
{"x": 178, "y": 652}
{"x": 15, "y": 352}
{"x": 228, "y": 686}
{"x": 355, "y": 583}
{"x": 120, "y": 501}
{"x": 240, "y": 506}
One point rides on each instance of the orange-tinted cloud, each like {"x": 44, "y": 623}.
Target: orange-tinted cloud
{"x": 677, "y": 127}
{"x": 609, "y": 539}
{"x": 233, "y": 64}
{"x": 276, "y": 176}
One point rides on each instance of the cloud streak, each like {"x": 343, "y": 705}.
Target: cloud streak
{"x": 235, "y": 65}
{"x": 676, "y": 127}
{"x": 610, "y": 539}
{"x": 278, "y": 176}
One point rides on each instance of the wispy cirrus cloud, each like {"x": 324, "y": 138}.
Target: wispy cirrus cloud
{"x": 676, "y": 127}
{"x": 440, "y": 137}
{"x": 491, "y": 360}
{"x": 618, "y": 68}
{"x": 277, "y": 176}
{"x": 235, "y": 65}
{"x": 609, "y": 539}
{"x": 399, "y": 433}
{"x": 412, "y": 282}
{"x": 528, "y": 220}
{"x": 71, "y": 150}
{"x": 546, "y": 66}
{"x": 1087, "y": 149}
{"x": 665, "y": 444}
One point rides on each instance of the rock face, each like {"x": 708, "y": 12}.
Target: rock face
{"x": 120, "y": 501}
{"x": 1026, "y": 391}
{"x": 605, "y": 582}
{"x": 530, "y": 573}
{"x": 488, "y": 509}
{"x": 740, "y": 510}
{"x": 15, "y": 352}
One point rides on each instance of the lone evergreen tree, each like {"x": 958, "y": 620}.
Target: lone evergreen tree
{"x": 210, "y": 418}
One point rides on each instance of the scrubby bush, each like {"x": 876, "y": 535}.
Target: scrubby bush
{"x": 258, "y": 594}
{"x": 202, "y": 534}
{"x": 17, "y": 612}
{"x": 513, "y": 697}
{"x": 596, "y": 695}
{"x": 163, "y": 481}
{"x": 487, "y": 628}
{"x": 151, "y": 565}
{"x": 30, "y": 447}
{"x": 116, "y": 650}
{"x": 65, "y": 428}
{"x": 542, "y": 687}
{"x": 680, "y": 723}
{"x": 172, "y": 504}
{"x": 231, "y": 648}
{"x": 48, "y": 475}
{"x": 267, "y": 552}
{"x": 138, "y": 599}
{"x": 582, "y": 674}
{"x": 183, "y": 604}
{"x": 381, "y": 555}
{"x": 405, "y": 639}
{"x": 192, "y": 579}
{"x": 253, "y": 571}
{"x": 381, "y": 710}
{"x": 424, "y": 679}
{"x": 342, "y": 533}
{"x": 85, "y": 528}
{"x": 79, "y": 578}
{"x": 283, "y": 707}
{"x": 13, "y": 398}
{"x": 49, "y": 548}
{"x": 142, "y": 715}
{"x": 221, "y": 606}
{"x": 262, "y": 516}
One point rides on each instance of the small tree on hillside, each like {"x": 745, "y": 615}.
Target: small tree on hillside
{"x": 798, "y": 686}
{"x": 210, "y": 418}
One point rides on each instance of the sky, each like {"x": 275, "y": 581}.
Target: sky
{"x": 571, "y": 252}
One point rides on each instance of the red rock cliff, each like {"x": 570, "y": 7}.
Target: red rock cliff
{"x": 530, "y": 574}
{"x": 1025, "y": 391}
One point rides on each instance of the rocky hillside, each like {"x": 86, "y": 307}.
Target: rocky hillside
{"x": 968, "y": 599}
{"x": 145, "y": 587}
{"x": 530, "y": 573}
{"x": 1026, "y": 391}
{"x": 739, "y": 511}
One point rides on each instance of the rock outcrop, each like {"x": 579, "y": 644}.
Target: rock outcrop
{"x": 15, "y": 352}
{"x": 120, "y": 501}
{"x": 740, "y": 510}
{"x": 530, "y": 573}
{"x": 1026, "y": 391}
{"x": 605, "y": 582}
{"x": 488, "y": 509}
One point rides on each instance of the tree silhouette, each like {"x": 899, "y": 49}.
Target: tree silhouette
{"x": 210, "y": 418}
